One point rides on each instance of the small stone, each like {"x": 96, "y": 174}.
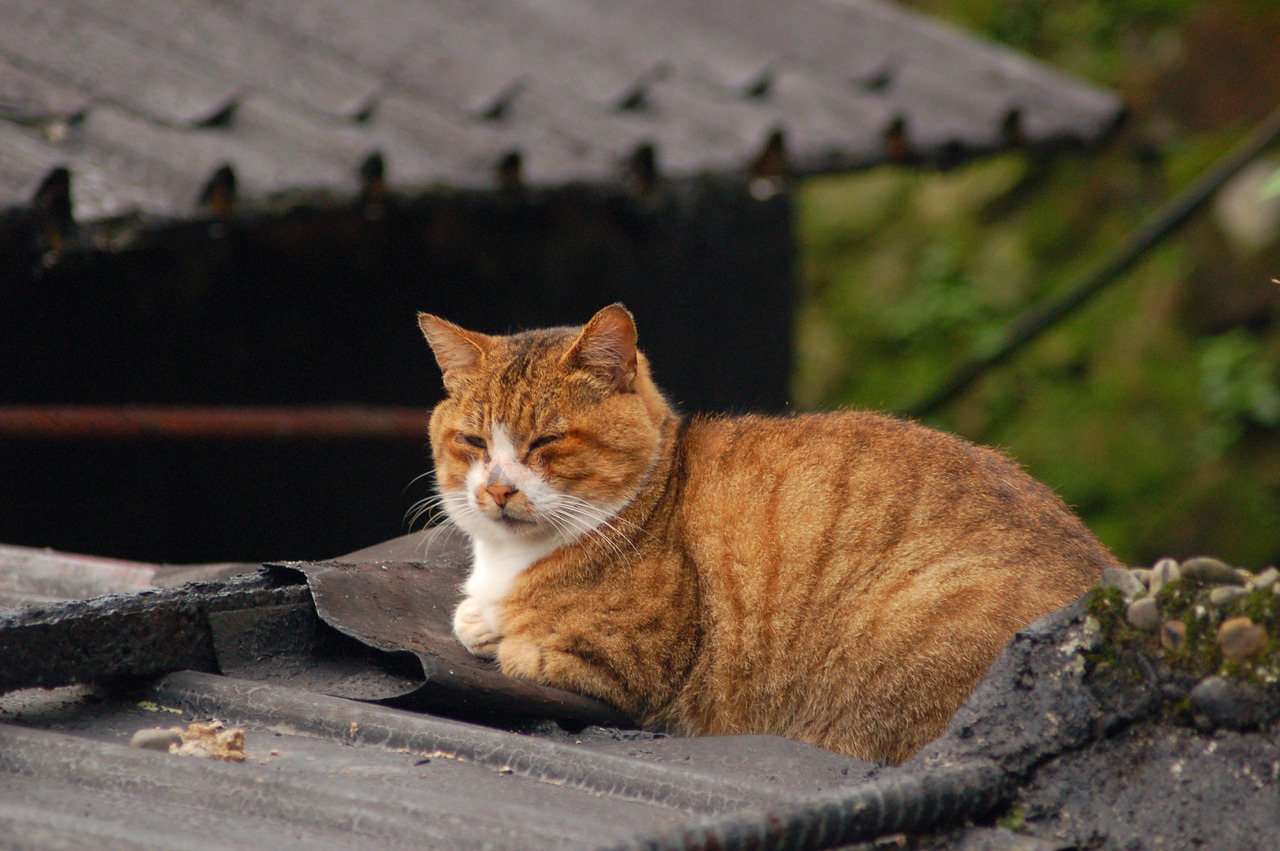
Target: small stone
{"x": 1118, "y": 577}
{"x": 1223, "y": 702}
{"x": 1210, "y": 571}
{"x": 1144, "y": 614}
{"x": 1266, "y": 578}
{"x": 1173, "y": 634}
{"x": 1165, "y": 571}
{"x": 155, "y": 740}
{"x": 1143, "y": 574}
{"x": 1241, "y": 638}
{"x": 1225, "y": 594}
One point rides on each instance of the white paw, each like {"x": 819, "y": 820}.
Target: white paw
{"x": 470, "y": 628}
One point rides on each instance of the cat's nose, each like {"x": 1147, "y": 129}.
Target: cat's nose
{"x": 500, "y": 494}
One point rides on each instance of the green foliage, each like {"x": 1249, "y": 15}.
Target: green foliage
{"x": 1165, "y": 435}
{"x": 1271, "y": 189}
{"x": 1088, "y": 37}
{"x": 1238, "y": 385}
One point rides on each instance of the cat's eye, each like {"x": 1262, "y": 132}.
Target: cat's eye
{"x": 543, "y": 441}
{"x": 477, "y": 442}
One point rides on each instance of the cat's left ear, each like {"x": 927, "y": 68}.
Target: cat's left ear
{"x": 606, "y": 349}
{"x": 457, "y": 350}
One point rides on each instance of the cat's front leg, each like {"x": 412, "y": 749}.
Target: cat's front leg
{"x": 522, "y": 657}
{"x": 542, "y": 662}
{"x": 471, "y": 628}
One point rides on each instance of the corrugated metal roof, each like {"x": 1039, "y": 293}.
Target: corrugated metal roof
{"x": 1076, "y": 750}
{"x": 321, "y": 770}
{"x": 144, "y": 99}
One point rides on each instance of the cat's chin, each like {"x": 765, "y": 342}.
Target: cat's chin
{"x": 518, "y": 527}
{"x": 507, "y": 529}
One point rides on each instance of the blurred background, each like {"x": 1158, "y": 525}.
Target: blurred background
{"x": 1155, "y": 410}
{"x": 217, "y": 221}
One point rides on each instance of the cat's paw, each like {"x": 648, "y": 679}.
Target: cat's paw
{"x": 470, "y": 628}
{"x": 520, "y": 657}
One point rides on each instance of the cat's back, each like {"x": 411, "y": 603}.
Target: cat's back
{"x": 875, "y": 485}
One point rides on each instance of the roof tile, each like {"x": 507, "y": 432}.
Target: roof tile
{"x": 295, "y": 93}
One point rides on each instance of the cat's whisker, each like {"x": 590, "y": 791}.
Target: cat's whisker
{"x": 435, "y": 507}
{"x": 600, "y": 518}
{"x": 586, "y": 524}
{"x": 429, "y": 537}
{"x": 416, "y": 479}
{"x": 415, "y": 510}
{"x": 563, "y": 529}
{"x": 566, "y": 525}
{"x": 424, "y": 506}
{"x": 603, "y": 517}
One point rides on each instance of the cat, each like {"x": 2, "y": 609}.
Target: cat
{"x": 841, "y": 579}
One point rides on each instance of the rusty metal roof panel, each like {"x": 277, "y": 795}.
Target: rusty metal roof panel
{"x": 143, "y": 99}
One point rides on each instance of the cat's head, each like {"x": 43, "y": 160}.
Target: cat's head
{"x": 543, "y": 436}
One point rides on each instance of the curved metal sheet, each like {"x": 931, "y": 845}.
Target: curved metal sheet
{"x": 399, "y": 598}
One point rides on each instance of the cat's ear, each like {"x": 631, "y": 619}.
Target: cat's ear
{"x": 606, "y": 349}
{"x": 457, "y": 350}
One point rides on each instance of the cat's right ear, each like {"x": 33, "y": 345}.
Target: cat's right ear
{"x": 457, "y": 350}
{"x": 606, "y": 349}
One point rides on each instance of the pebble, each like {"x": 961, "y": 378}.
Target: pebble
{"x": 1210, "y": 571}
{"x": 155, "y": 740}
{"x": 1266, "y": 578}
{"x": 1225, "y": 594}
{"x": 1241, "y": 638}
{"x": 1222, "y": 702}
{"x": 1166, "y": 570}
{"x": 1144, "y": 614}
{"x": 1118, "y": 577}
{"x": 1173, "y": 634}
{"x": 1216, "y": 701}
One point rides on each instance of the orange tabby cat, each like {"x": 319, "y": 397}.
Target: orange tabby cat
{"x": 843, "y": 579}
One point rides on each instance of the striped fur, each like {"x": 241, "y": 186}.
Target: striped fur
{"x": 844, "y": 579}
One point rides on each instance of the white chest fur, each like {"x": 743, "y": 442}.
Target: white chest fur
{"x": 496, "y": 565}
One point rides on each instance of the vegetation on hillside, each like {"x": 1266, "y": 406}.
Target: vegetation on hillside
{"x": 1155, "y": 410}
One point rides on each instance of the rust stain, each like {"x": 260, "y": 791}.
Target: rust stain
{"x": 225, "y": 423}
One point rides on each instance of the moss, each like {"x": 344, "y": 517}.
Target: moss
{"x": 1104, "y": 601}
{"x": 1199, "y": 654}
{"x": 1180, "y": 711}
{"x": 1015, "y": 819}
{"x": 1108, "y": 608}
{"x": 1260, "y": 607}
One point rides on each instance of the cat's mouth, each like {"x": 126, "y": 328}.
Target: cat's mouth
{"x": 510, "y": 521}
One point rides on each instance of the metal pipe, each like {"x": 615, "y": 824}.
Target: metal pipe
{"x": 219, "y": 423}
